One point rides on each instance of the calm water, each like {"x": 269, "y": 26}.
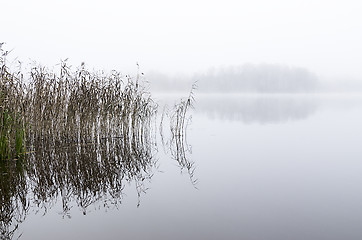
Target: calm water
{"x": 267, "y": 167}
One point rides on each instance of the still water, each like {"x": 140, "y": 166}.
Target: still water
{"x": 265, "y": 167}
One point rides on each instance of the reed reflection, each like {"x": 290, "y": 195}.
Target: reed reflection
{"x": 179, "y": 148}
{"x": 175, "y": 143}
{"x": 85, "y": 173}
{"x": 14, "y": 203}
{"x": 78, "y": 174}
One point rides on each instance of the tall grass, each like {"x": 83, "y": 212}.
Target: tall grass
{"x": 12, "y": 126}
{"x": 82, "y": 106}
{"x": 11, "y": 135}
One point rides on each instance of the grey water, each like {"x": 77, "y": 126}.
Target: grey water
{"x": 267, "y": 167}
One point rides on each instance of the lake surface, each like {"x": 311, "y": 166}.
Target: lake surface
{"x": 265, "y": 167}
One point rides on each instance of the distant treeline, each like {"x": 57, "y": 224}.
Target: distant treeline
{"x": 257, "y": 78}
{"x": 261, "y": 78}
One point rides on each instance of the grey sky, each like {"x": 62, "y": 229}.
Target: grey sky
{"x": 187, "y": 36}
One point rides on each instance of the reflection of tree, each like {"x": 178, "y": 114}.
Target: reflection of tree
{"x": 258, "y": 109}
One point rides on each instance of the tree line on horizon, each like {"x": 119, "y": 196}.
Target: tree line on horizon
{"x": 258, "y": 78}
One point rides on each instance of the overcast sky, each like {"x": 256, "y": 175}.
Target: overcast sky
{"x": 324, "y": 36}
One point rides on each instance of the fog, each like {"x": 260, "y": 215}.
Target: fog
{"x": 262, "y": 78}
{"x": 273, "y": 108}
{"x": 253, "y": 78}
{"x": 266, "y": 109}
{"x": 280, "y": 161}
{"x": 188, "y": 37}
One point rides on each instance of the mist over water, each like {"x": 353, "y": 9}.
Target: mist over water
{"x": 203, "y": 120}
{"x": 251, "y": 151}
{"x": 252, "y": 78}
{"x": 273, "y": 157}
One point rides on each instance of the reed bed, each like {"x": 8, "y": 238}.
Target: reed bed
{"x": 12, "y": 126}
{"x": 78, "y": 136}
{"x": 84, "y": 106}
{"x": 71, "y": 107}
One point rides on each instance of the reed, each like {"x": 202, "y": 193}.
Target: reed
{"x": 178, "y": 145}
{"x": 12, "y": 127}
